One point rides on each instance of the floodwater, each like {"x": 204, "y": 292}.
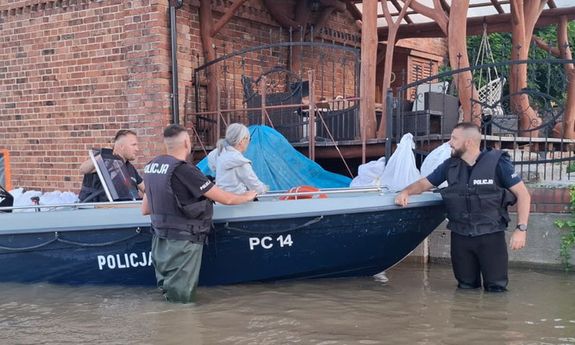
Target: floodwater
{"x": 418, "y": 305}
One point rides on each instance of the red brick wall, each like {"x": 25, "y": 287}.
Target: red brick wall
{"x": 71, "y": 74}
{"x": 548, "y": 200}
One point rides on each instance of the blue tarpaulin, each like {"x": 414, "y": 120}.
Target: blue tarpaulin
{"x": 280, "y": 166}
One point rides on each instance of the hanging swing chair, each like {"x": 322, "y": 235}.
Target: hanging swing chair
{"x": 489, "y": 81}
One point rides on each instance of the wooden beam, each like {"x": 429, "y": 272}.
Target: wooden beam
{"x": 495, "y": 23}
{"x": 398, "y": 8}
{"x": 497, "y": 6}
{"x": 445, "y": 6}
{"x": 395, "y": 14}
{"x": 368, "y": 69}
{"x": 226, "y": 17}
{"x": 551, "y": 4}
{"x": 351, "y": 8}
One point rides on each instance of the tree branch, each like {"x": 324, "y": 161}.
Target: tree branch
{"x": 436, "y": 13}
{"x": 543, "y": 45}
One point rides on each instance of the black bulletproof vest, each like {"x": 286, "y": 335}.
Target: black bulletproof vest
{"x": 92, "y": 190}
{"x": 475, "y": 203}
{"x": 6, "y": 199}
{"x": 171, "y": 219}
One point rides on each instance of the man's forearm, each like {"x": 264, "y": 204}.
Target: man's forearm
{"x": 418, "y": 186}
{"x": 87, "y": 167}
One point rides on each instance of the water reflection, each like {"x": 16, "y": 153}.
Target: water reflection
{"x": 417, "y": 306}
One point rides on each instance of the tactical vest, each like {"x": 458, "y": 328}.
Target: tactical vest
{"x": 6, "y": 199}
{"x": 171, "y": 219}
{"x": 92, "y": 190}
{"x": 475, "y": 203}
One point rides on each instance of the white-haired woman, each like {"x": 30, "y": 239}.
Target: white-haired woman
{"x": 234, "y": 172}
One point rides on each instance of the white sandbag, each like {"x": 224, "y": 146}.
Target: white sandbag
{"x": 401, "y": 170}
{"x": 23, "y": 198}
{"x": 58, "y": 198}
{"x": 16, "y": 193}
{"x": 434, "y": 159}
{"x": 369, "y": 174}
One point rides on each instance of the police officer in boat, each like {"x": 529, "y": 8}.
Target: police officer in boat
{"x": 481, "y": 185}
{"x": 179, "y": 200}
{"x": 125, "y": 149}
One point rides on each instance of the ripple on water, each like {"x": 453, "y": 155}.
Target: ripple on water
{"x": 416, "y": 306}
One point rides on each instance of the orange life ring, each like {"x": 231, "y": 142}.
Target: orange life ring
{"x": 303, "y": 189}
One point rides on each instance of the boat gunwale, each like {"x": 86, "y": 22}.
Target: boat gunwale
{"x": 222, "y": 213}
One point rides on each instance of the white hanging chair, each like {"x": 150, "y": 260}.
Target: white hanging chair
{"x": 491, "y": 89}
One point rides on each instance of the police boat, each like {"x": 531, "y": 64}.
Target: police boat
{"x": 295, "y": 234}
{"x": 350, "y": 232}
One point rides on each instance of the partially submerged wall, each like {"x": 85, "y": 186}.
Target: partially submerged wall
{"x": 543, "y": 237}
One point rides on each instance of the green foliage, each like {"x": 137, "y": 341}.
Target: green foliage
{"x": 568, "y": 237}
{"x": 547, "y": 78}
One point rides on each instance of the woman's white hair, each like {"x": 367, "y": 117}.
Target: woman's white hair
{"x": 234, "y": 134}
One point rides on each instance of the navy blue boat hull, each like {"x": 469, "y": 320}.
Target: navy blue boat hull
{"x": 334, "y": 245}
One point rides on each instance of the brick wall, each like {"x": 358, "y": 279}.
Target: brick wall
{"x": 548, "y": 200}
{"x": 73, "y": 72}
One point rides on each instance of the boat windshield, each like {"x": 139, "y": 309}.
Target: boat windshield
{"x": 114, "y": 176}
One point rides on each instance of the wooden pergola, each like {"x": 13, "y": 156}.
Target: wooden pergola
{"x": 390, "y": 20}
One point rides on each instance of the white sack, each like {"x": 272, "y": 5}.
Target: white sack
{"x": 369, "y": 174}
{"x": 401, "y": 170}
{"x": 434, "y": 159}
{"x": 22, "y": 198}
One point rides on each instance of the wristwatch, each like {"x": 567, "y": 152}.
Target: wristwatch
{"x": 521, "y": 227}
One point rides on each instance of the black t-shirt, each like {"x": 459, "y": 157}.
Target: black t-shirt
{"x": 189, "y": 184}
{"x": 136, "y": 178}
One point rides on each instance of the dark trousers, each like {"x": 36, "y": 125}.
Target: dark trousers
{"x": 482, "y": 256}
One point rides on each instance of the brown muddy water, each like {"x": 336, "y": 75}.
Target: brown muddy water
{"x": 418, "y": 305}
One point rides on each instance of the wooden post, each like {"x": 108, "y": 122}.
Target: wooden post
{"x": 367, "y": 73}
{"x": 311, "y": 115}
{"x": 388, "y": 64}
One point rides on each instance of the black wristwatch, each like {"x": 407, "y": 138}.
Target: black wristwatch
{"x": 521, "y": 227}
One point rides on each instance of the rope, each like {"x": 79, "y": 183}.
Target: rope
{"x": 485, "y": 51}
{"x": 308, "y": 223}
{"x": 57, "y": 238}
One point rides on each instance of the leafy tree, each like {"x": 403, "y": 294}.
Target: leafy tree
{"x": 547, "y": 77}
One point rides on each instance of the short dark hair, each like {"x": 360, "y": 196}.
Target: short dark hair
{"x": 122, "y": 133}
{"x": 173, "y": 130}
{"x": 467, "y": 125}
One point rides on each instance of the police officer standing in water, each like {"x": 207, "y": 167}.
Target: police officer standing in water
{"x": 179, "y": 200}
{"x": 481, "y": 185}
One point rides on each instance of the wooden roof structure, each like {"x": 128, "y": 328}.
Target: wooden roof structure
{"x": 496, "y": 14}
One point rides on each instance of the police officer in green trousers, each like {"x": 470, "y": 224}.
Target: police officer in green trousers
{"x": 179, "y": 200}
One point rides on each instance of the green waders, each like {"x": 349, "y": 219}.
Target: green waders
{"x": 177, "y": 265}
